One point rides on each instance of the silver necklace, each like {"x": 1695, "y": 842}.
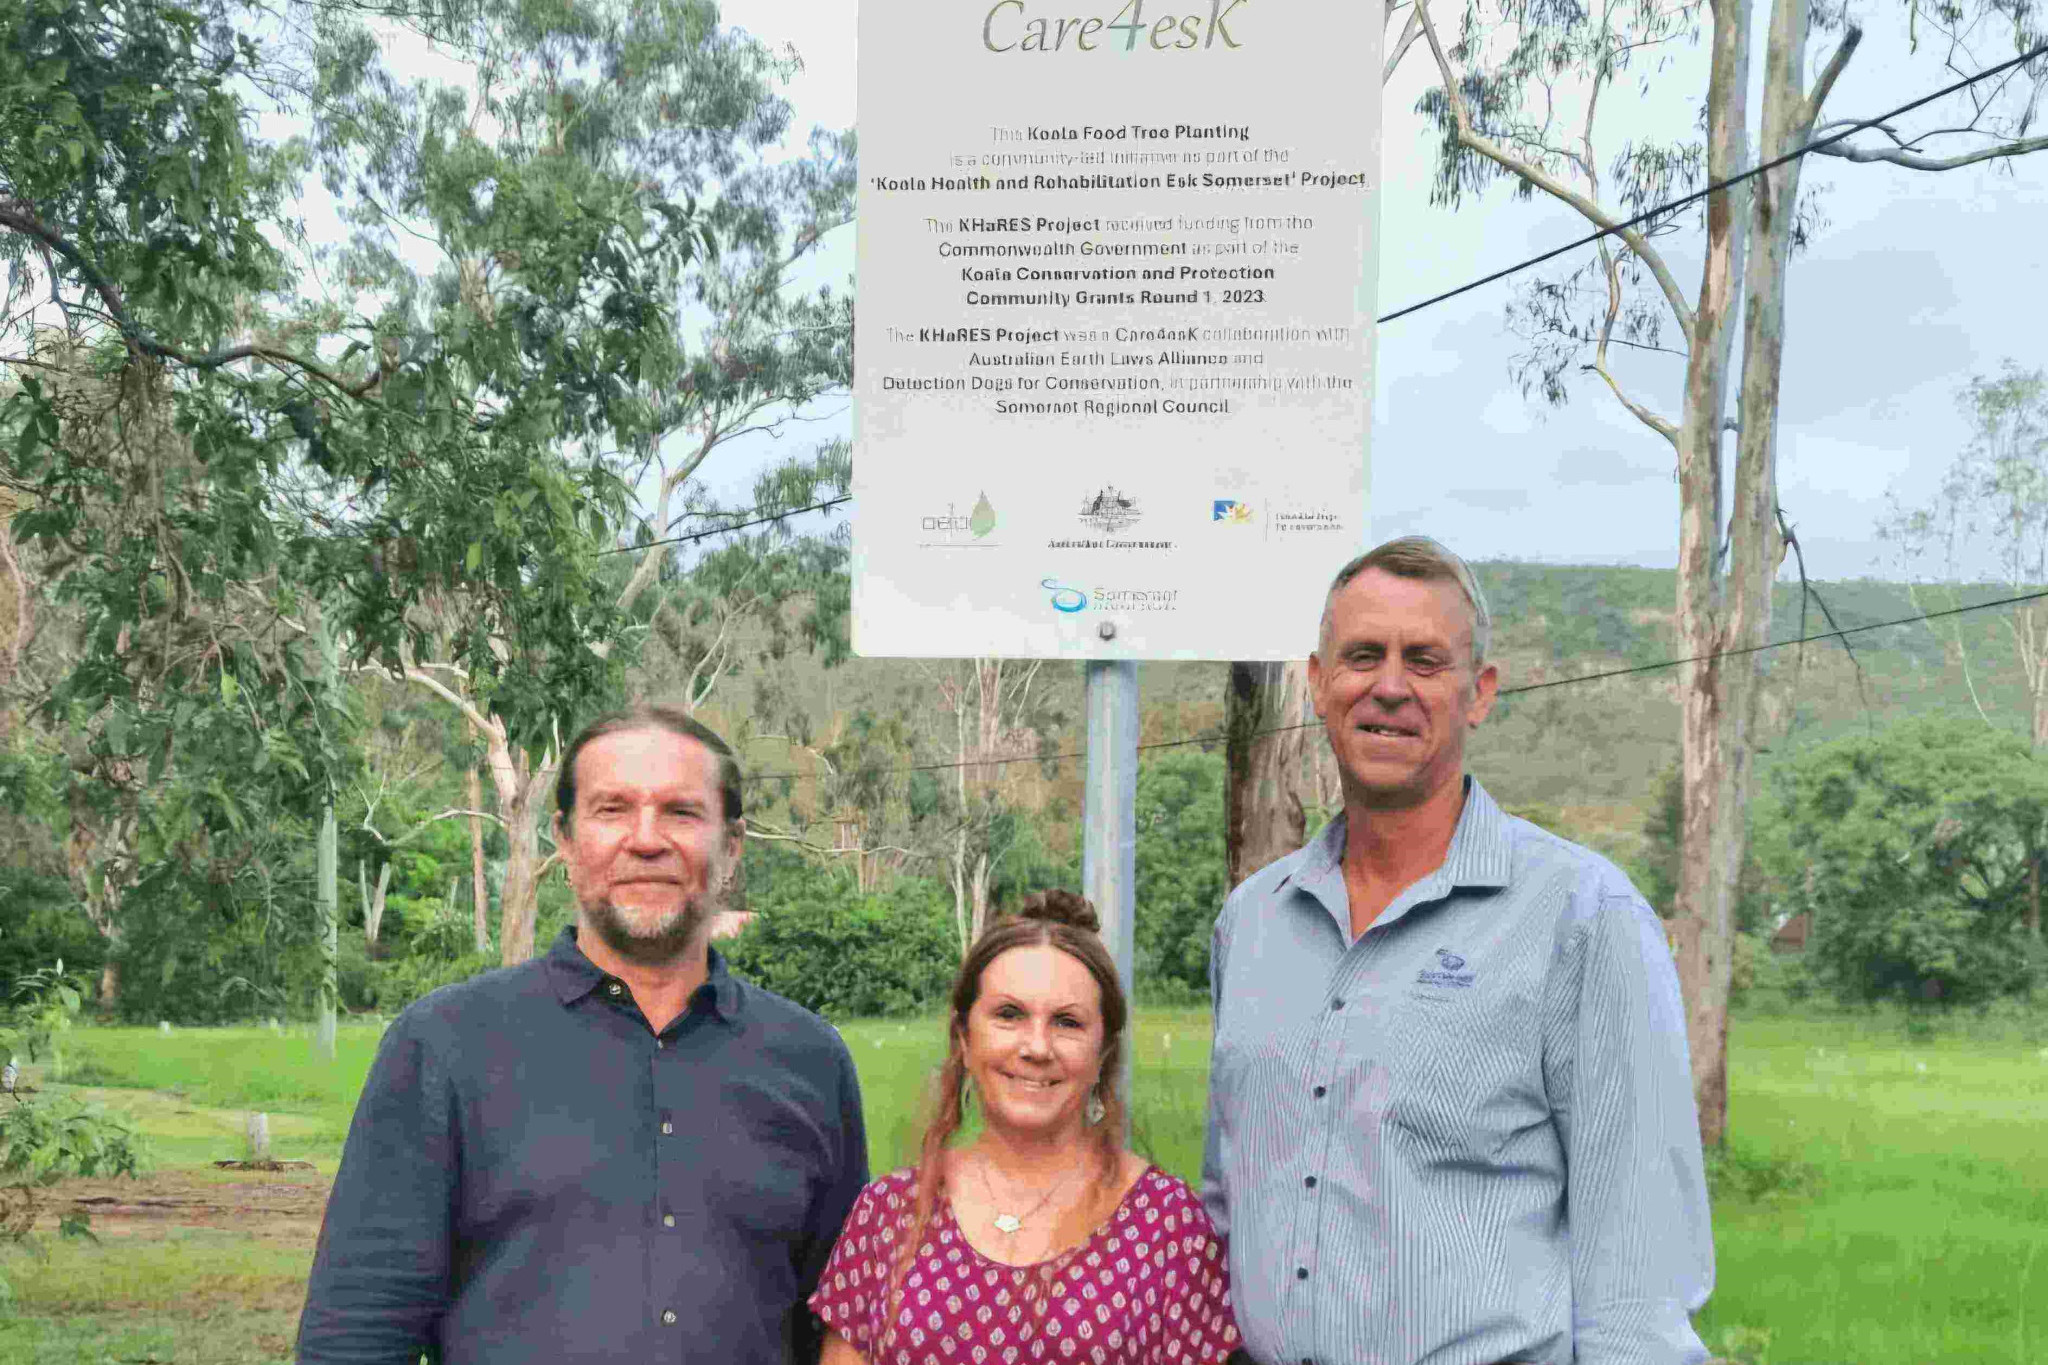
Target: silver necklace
{"x": 1008, "y": 1223}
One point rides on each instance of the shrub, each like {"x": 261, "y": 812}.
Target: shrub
{"x": 819, "y": 940}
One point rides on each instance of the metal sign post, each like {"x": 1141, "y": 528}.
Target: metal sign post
{"x": 1109, "y": 819}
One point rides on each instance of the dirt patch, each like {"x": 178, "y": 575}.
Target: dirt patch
{"x": 272, "y": 1209}
{"x": 271, "y": 1166}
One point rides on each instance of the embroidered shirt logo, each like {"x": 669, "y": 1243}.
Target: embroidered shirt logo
{"x": 1450, "y": 973}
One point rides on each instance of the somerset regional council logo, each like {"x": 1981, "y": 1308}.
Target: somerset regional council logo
{"x": 1109, "y": 511}
{"x": 1450, "y": 973}
{"x": 1064, "y": 598}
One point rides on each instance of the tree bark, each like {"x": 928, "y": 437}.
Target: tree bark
{"x": 482, "y": 906}
{"x": 373, "y": 902}
{"x": 1264, "y": 815}
{"x": 1722, "y": 700}
{"x": 1700, "y": 942}
{"x": 520, "y": 898}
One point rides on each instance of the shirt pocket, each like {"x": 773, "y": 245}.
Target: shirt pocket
{"x": 1465, "y": 1071}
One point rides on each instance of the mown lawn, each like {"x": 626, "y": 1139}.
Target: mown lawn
{"x": 1884, "y": 1200}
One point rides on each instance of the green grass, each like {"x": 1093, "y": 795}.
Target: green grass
{"x": 1867, "y": 1210}
{"x": 1912, "y": 1214}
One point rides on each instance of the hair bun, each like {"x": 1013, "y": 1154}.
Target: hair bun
{"x": 1060, "y": 907}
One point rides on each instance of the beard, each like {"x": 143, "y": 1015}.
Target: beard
{"x": 664, "y": 938}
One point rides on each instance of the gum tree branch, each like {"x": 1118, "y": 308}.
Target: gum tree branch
{"x": 1536, "y": 176}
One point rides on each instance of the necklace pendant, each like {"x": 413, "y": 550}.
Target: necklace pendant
{"x": 1008, "y": 1222}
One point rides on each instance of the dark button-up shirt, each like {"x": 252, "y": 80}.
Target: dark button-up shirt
{"x": 534, "y": 1175}
{"x": 1466, "y": 1135}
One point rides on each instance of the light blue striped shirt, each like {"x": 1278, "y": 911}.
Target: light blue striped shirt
{"x": 1469, "y": 1135}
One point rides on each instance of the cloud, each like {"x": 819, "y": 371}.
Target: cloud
{"x": 1867, "y": 320}
{"x": 1491, "y": 499}
{"x": 1603, "y": 468}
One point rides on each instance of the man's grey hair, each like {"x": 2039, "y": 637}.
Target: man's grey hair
{"x": 1431, "y": 561}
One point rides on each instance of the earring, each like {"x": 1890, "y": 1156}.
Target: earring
{"x": 1093, "y": 1110}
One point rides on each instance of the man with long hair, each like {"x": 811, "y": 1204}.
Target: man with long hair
{"x": 618, "y": 1151}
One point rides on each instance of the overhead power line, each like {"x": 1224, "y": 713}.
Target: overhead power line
{"x": 738, "y": 526}
{"x": 1207, "y": 740}
{"x": 1719, "y": 185}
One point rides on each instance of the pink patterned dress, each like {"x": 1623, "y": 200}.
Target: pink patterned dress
{"x": 1149, "y": 1287}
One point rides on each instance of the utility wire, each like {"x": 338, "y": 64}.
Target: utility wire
{"x": 738, "y": 526}
{"x": 1211, "y": 739}
{"x": 1718, "y": 186}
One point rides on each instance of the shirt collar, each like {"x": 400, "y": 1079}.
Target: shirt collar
{"x": 575, "y": 976}
{"x": 1479, "y": 856}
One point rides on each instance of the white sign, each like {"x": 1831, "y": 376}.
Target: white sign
{"x": 1114, "y": 337}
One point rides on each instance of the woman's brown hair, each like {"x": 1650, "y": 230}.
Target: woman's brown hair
{"x": 1069, "y": 923}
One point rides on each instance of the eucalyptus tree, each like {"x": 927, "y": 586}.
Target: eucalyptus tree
{"x": 576, "y": 115}
{"x": 1988, "y": 522}
{"x": 1539, "y": 93}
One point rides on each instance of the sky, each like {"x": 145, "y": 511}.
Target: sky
{"x": 1915, "y": 283}
{"x": 1918, "y": 282}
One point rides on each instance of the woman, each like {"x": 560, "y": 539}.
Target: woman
{"x": 1043, "y": 1239}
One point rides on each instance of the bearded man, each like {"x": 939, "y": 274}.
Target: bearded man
{"x": 618, "y": 1151}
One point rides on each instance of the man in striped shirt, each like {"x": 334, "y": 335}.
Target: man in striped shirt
{"x": 1450, "y": 1111}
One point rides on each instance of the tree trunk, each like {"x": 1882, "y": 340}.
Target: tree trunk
{"x": 327, "y": 925}
{"x": 961, "y": 921}
{"x": 978, "y": 890}
{"x": 373, "y": 902}
{"x": 1699, "y": 937}
{"x": 520, "y": 898}
{"x": 482, "y": 907}
{"x": 1264, "y": 816}
{"x": 1722, "y": 701}
{"x": 2034, "y": 898}
{"x": 110, "y": 986}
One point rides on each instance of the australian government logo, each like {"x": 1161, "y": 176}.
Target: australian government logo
{"x": 953, "y": 528}
{"x": 1067, "y": 599}
{"x": 1450, "y": 973}
{"x": 1107, "y": 511}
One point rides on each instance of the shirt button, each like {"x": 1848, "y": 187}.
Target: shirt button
{"x": 1336, "y": 1004}
{"x": 668, "y": 1315}
{"x": 1309, "y": 1181}
{"x": 612, "y": 989}
{"x": 659, "y": 1044}
{"x": 668, "y": 1220}
{"x": 1321, "y": 1091}
{"x": 1301, "y": 1272}
{"x": 667, "y": 1129}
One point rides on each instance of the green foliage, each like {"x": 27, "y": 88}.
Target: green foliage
{"x": 820, "y": 941}
{"x": 1913, "y": 850}
{"x": 43, "y": 1141}
{"x": 1180, "y": 873}
{"x": 1663, "y": 832}
{"x": 43, "y": 1004}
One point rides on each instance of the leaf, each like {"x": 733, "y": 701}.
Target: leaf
{"x": 474, "y": 558}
